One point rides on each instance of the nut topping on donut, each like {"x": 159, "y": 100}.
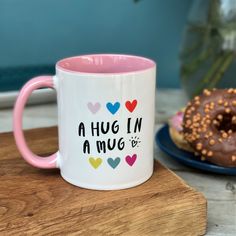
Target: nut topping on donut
{"x": 212, "y": 142}
{"x": 209, "y": 125}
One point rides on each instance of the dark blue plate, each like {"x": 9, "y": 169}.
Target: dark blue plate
{"x": 166, "y": 144}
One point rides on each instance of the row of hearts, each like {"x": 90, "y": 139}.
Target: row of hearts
{"x": 113, "y": 108}
{"x": 130, "y": 160}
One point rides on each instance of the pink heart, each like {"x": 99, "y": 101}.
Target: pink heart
{"x": 130, "y": 160}
{"x": 94, "y": 108}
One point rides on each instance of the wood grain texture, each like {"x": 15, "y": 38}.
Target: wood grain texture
{"x": 39, "y": 202}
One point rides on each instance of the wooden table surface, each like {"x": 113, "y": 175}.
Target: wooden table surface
{"x": 219, "y": 190}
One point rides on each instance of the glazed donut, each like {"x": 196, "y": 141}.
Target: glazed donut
{"x": 209, "y": 126}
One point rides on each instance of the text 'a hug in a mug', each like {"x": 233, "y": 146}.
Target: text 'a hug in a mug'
{"x": 112, "y": 162}
{"x": 112, "y": 107}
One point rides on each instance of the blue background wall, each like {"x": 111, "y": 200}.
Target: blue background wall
{"x": 34, "y": 32}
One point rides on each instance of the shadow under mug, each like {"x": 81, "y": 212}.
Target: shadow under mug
{"x": 106, "y": 109}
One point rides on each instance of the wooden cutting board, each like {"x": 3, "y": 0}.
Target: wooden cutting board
{"x": 39, "y": 202}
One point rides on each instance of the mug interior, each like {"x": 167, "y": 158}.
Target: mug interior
{"x": 105, "y": 64}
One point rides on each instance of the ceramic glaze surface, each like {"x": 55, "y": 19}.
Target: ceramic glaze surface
{"x": 106, "y": 124}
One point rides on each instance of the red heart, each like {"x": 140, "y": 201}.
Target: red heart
{"x": 131, "y": 105}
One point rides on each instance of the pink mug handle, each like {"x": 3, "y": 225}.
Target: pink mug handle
{"x": 37, "y": 161}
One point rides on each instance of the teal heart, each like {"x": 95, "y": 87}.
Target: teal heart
{"x": 113, "y": 108}
{"x": 113, "y": 162}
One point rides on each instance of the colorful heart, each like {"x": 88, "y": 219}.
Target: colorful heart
{"x": 95, "y": 162}
{"x": 113, "y": 108}
{"x": 131, "y": 105}
{"x": 113, "y": 162}
{"x": 131, "y": 160}
{"x": 94, "y": 108}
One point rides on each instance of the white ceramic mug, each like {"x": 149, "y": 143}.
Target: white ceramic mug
{"x": 106, "y": 113}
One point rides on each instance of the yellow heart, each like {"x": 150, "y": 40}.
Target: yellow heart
{"x": 95, "y": 162}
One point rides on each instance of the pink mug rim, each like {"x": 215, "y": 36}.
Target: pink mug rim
{"x": 150, "y": 64}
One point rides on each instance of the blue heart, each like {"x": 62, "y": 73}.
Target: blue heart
{"x": 113, "y": 108}
{"x": 113, "y": 162}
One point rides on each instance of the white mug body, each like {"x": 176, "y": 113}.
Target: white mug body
{"x": 106, "y": 126}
